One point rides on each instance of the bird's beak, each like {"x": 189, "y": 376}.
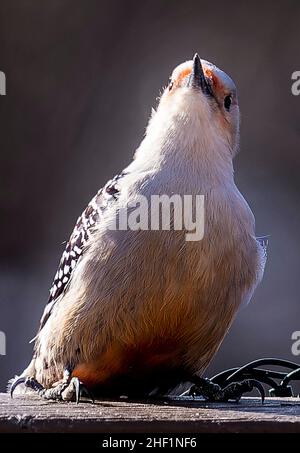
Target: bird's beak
{"x": 197, "y": 78}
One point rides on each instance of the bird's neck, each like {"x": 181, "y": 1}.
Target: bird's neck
{"x": 195, "y": 158}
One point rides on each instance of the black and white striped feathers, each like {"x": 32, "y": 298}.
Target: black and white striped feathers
{"x": 78, "y": 241}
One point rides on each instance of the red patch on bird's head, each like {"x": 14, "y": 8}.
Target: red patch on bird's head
{"x": 211, "y": 75}
{"x": 182, "y": 75}
{"x": 182, "y": 72}
{"x": 216, "y": 82}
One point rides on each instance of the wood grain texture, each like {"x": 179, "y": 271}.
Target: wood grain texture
{"x": 31, "y": 414}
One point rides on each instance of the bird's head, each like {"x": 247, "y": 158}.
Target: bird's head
{"x": 204, "y": 98}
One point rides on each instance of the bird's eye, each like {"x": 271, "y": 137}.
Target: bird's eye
{"x": 171, "y": 84}
{"x": 227, "y": 102}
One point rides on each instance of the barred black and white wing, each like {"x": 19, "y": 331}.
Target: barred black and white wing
{"x": 79, "y": 238}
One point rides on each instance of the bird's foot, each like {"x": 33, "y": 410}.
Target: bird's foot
{"x": 28, "y": 381}
{"x": 74, "y": 391}
{"x": 70, "y": 389}
{"x": 232, "y": 392}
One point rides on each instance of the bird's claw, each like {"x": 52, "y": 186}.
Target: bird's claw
{"x": 65, "y": 391}
{"x": 29, "y": 382}
{"x": 235, "y": 390}
{"x": 232, "y": 392}
{"x": 206, "y": 388}
{"x": 80, "y": 390}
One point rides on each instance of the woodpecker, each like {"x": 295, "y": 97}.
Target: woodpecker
{"x": 139, "y": 312}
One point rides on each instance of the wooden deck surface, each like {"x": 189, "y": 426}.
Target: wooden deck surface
{"x": 185, "y": 415}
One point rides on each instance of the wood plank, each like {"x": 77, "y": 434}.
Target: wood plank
{"x": 181, "y": 415}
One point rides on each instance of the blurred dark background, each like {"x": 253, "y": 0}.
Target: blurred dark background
{"x": 81, "y": 80}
